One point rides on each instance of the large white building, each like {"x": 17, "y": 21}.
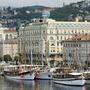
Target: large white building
{"x": 44, "y": 36}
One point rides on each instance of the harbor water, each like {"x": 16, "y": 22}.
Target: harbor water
{"x": 36, "y": 85}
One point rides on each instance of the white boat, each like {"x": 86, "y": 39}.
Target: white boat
{"x": 87, "y": 76}
{"x": 20, "y": 77}
{"x": 13, "y": 73}
{"x": 76, "y": 80}
{"x": 44, "y": 74}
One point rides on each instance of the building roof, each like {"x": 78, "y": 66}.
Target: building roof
{"x": 79, "y": 37}
{"x": 10, "y": 41}
{"x": 63, "y": 24}
{"x": 10, "y": 30}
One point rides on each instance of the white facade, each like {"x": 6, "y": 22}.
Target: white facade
{"x": 49, "y": 34}
{"x": 32, "y": 41}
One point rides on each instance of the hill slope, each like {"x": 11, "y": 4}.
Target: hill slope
{"x": 70, "y": 12}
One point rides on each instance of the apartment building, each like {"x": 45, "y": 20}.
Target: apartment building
{"x": 44, "y": 36}
{"x": 8, "y": 41}
{"x": 77, "y": 50}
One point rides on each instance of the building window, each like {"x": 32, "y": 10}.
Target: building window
{"x": 79, "y": 45}
{"x": 0, "y": 35}
{"x": 64, "y": 38}
{"x": 10, "y": 36}
{"x": 64, "y": 31}
{"x": 57, "y": 43}
{"x": 53, "y": 50}
{"x": 51, "y": 38}
{"x": 57, "y": 37}
{"x": 52, "y": 44}
{"x": 70, "y": 55}
{"x": 6, "y": 37}
{"x": 43, "y": 32}
{"x": 61, "y": 37}
{"x": 72, "y": 32}
{"x": 51, "y": 32}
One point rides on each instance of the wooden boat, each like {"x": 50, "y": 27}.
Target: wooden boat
{"x": 19, "y": 72}
{"x": 73, "y": 79}
{"x": 68, "y": 78}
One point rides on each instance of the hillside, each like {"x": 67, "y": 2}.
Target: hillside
{"x": 11, "y": 17}
{"x": 70, "y": 12}
{"x": 30, "y": 12}
{"x": 67, "y": 12}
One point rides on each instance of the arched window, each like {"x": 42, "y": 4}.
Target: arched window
{"x": 10, "y": 36}
{"x": 51, "y": 38}
{"x": 53, "y": 44}
{"x": 6, "y": 37}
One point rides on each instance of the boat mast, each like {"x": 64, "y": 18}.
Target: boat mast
{"x": 3, "y": 45}
{"x": 31, "y": 57}
{"x": 31, "y": 54}
{"x": 86, "y": 54}
{"x": 75, "y": 55}
{"x": 41, "y": 46}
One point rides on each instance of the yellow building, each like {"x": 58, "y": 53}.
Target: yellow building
{"x": 8, "y": 41}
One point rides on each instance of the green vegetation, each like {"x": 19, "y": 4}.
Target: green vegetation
{"x": 67, "y": 12}
{"x": 70, "y": 12}
{"x": 30, "y": 12}
{"x": 7, "y": 58}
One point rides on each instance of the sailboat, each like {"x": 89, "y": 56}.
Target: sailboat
{"x": 20, "y": 71}
{"x": 66, "y": 76}
{"x": 43, "y": 72}
{"x": 73, "y": 79}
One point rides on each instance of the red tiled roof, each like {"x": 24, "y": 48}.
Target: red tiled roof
{"x": 10, "y": 30}
{"x": 80, "y": 37}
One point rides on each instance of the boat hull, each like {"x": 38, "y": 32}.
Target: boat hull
{"x": 21, "y": 77}
{"x": 72, "y": 82}
{"x": 44, "y": 76}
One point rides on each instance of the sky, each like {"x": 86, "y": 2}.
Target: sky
{"x": 21, "y": 3}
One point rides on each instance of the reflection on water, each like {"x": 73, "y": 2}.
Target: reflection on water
{"x": 36, "y": 85}
{"x": 63, "y": 87}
